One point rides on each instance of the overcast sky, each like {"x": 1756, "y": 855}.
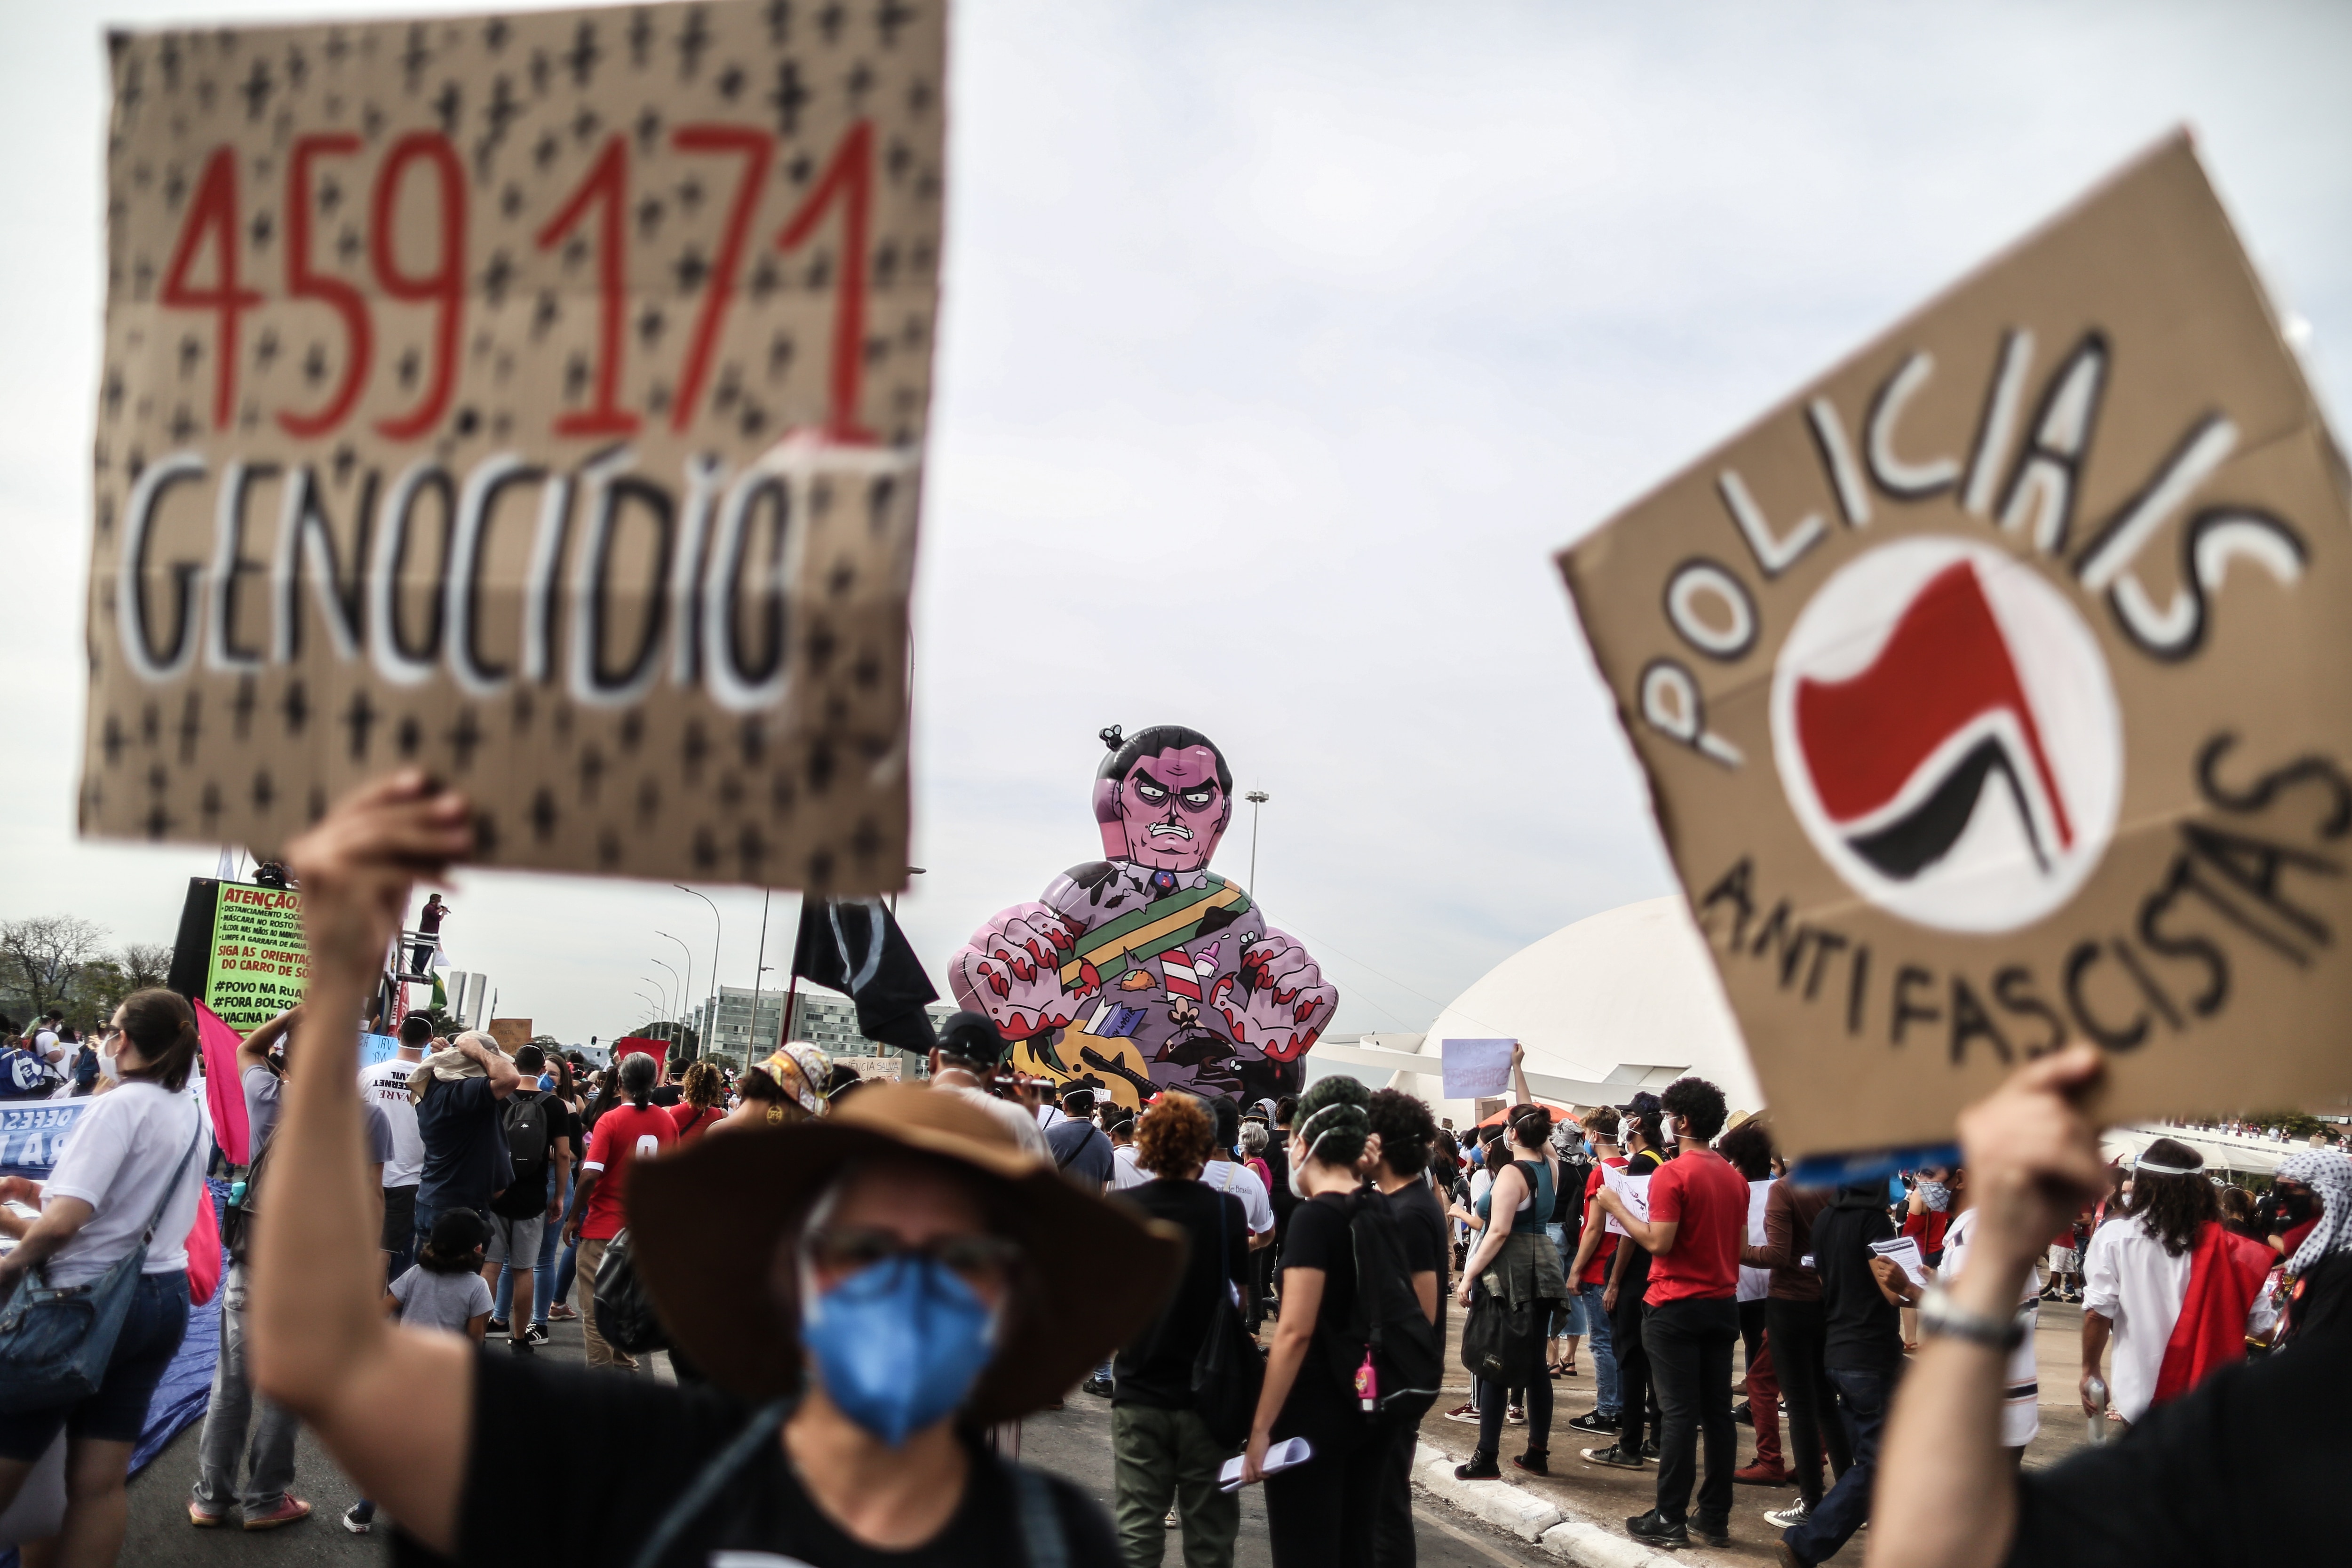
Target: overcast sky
{"x": 1282, "y": 344}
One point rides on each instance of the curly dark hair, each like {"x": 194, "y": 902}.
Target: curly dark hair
{"x": 1749, "y": 1147}
{"x": 1406, "y": 1130}
{"x": 1174, "y": 1135}
{"x": 2174, "y": 1208}
{"x": 1698, "y": 1105}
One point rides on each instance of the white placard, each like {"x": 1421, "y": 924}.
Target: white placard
{"x": 1904, "y": 1253}
{"x": 1279, "y": 1457}
{"x": 1633, "y": 1192}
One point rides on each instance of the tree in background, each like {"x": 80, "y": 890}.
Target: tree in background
{"x": 41, "y": 957}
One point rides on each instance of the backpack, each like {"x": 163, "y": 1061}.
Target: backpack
{"x": 526, "y": 1129}
{"x": 1386, "y": 1319}
{"x": 85, "y": 1070}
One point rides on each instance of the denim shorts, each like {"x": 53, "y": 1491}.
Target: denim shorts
{"x": 117, "y": 1413}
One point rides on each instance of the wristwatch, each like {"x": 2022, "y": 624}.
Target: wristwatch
{"x": 1939, "y": 1314}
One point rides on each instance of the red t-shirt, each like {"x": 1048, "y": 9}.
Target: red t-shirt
{"x": 623, "y": 1133}
{"x": 1597, "y": 1272}
{"x": 691, "y": 1123}
{"x": 1707, "y": 1200}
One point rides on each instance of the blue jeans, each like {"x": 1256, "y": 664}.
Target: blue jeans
{"x": 1862, "y": 1399}
{"x": 1605, "y": 1351}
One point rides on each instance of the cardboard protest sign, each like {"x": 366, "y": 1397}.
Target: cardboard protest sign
{"x": 539, "y": 400}
{"x": 240, "y": 951}
{"x": 1996, "y": 691}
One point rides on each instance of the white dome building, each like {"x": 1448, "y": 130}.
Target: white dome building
{"x": 1622, "y": 1001}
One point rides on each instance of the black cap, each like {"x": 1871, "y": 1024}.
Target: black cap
{"x": 1643, "y": 1104}
{"x": 972, "y": 1036}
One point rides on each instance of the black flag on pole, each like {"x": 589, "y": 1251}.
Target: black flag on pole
{"x": 854, "y": 945}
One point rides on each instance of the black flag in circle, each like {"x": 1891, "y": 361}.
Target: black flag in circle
{"x": 854, "y": 945}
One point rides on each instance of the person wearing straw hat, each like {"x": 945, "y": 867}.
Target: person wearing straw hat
{"x": 864, "y": 1291}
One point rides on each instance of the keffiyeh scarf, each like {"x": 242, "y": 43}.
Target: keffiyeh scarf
{"x": 2328, "y": 1173}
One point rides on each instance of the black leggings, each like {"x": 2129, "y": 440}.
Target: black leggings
{"x": 1493, "y": 1398}
{"x": 1634, "y": 1394}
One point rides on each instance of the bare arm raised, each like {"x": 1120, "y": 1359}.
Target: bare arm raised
{"x": 391, "y": 1405}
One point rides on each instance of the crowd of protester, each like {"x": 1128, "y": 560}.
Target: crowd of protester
{"x": 863, "y": 1288}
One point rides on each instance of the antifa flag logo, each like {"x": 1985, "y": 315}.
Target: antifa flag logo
{"x": 1947, "y": 734}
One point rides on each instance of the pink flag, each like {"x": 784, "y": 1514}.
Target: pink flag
{"x": 223, "y": 1085}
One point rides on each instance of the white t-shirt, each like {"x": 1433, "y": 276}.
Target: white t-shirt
{"x": 2020, "y": 1409}
{"x": 1125, "y": 1172}
{"x": 1755, "y": 1282}
{"x": 46, "y": 1043}
{"x": 2129, "y": 1279}
{"x": 1243, "y": 1182}
{"x": 386, "y": 1084}
{"x": 117, "y": 1156}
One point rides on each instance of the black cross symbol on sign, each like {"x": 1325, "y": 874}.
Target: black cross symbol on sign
{"x": 159, "y": 821}
{"x": 486, "y": 836}
{"x": 192, "y": 726}
{"x": 696, "y": 748}
{"x": 409, "y": 736}
{"x": 296, "y": 706}
{"x": 751, "y": 848}
{"x": 543, "y": 815}
{"x": 265, "y": 793}
{"x": 790, "y": 98}
{"x": 361, "y": 716}
{"x": 248, "y": 696}
{"x": 592, "y": 772}
{"x": 114, "y": 740}
{"x": 888, "y": 17}
{"x": 212, "y": 802}
{"x": 463, "y": 737}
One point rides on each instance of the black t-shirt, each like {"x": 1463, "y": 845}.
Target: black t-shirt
{"x": 668, "y": 1094}
{"x": 1421, "y": 1219}
{"x": 2255, "y": 1454}
{"x": 1635, "y": 1285}
{"x": 464, "y": 1150}
{"x": 1278, "y": 1190}
{"x": 1865, "y": 1333}
{"x": 1319, "y": 1239}
{"x": 1156, "y": 1370}
{"x": 582, "y": 1518}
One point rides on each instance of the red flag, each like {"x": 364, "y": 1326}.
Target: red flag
{"x": 223, "y": 1085}
{"x": 2225, "y": 1273}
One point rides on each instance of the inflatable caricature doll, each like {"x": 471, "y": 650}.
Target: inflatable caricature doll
{"x": 1146, "y": 969}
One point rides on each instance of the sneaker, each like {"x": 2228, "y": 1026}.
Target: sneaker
{"x": 562, "y": 1314}
{"x": 1655, "y": 1531}
{"x": 1516, "y": 1415}
{"x": 203, "y": 1520}
{"x": 1743, "y": 1413}
{"x": 496, "y": 1327}
{"x": 1465, "y": 1414}
{"x": 1711, "y": 1534}
{"x": 352, "y": 1522}
{"x": 1760, "y": 1474}
{"x": 290, "y": 1510}
{"x": 1596, "y": 1421}
{"x": 1616, "y": 1453}
{"x": 536, "y": 1334}
{"x": 1788, "y": 1518}
{"x": 1650, "y": 1448}
{"x": 1171, "y": 1522}
{"x": 1099, "y": 1386}
{"x": 1535, "y": 1464}
{"x": 1481, "y": 1468}
{"x": 522, "y": 1344}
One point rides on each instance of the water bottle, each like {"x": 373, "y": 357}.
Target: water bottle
{"x": 2098, "y": 1391}
{"x": 1368, "y": 1383}
{"x": 236, "y": 1192}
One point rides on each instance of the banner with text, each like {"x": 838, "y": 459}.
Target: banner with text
{"x": 240, "y": 951}
{"x": 536, "y": 399}
{"x": 1996, "y": 691}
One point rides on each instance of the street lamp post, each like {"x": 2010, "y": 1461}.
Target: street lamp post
{"x": 911, "y": 871}
{"x": 759, "y": 968}
{"x": 688, "y": 995}
{"x": 1256, "y": 797}
{"x": 681, "y": 1002}
{"x": 663, "y": 1003}
{"x": 717, "y": 931}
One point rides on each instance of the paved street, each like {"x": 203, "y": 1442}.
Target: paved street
{"x": 1076, "y": 1442}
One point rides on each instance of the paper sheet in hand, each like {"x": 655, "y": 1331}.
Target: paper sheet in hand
{"x": 1634, "y": 1191}
{"x": 1279, "y": 1457}
{"x": 1475, "y": 1068}
{"x": 1904, "y": 1253}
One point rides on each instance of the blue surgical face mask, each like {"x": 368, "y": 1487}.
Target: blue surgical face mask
{"x": 900, "y": 1344}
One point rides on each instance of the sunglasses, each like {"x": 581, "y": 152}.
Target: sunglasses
{"x": 852, "y": 1249}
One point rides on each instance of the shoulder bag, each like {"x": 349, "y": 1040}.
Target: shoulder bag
{"x": 56, "y": 1341}
{"x": 1227, "y": 1372}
